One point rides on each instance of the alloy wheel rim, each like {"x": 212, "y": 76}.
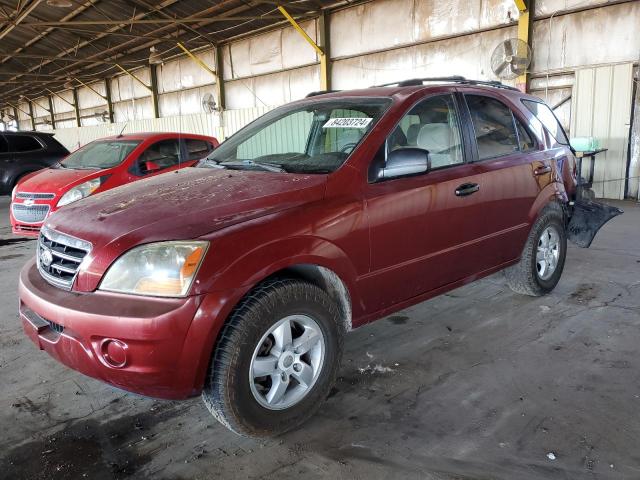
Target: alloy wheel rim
{"x": 548, "y": 253}
{"x": 287, "y": 362}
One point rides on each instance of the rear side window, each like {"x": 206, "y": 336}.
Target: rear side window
{"x": 493, "y": 125}
{"x": 548, "y": 119}
{"x": 197, "y": 149}
{"x": 525, "y": 138}
{"x": 4, "y": 148}
{"x": 160, "y": 155}
{"x": 24, "y": 143}
{"x": 58, "y": 146}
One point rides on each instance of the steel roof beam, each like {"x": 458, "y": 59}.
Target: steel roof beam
{"x": 164, "y": 4}
{"x": 21, "y": 16}
{"x": 158, "y": 21}
{"x": 71, "y": 15}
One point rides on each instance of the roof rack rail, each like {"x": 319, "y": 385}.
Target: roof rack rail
{"x": 453, "y": 79}
{"x": 320, "y": 92}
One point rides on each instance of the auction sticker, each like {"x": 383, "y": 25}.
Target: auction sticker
{"x": 347, "y": 123}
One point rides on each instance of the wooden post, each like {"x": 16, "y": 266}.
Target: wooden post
{"x": 222, "y": 104}
{"x": 33, "y": 120}
{"x": 154, "y": 90}
{"x": 325, "y": 59}
{"x": 53, "y": 117}
{"x": 107, "y": 90}
{"x": 76, "y": 107}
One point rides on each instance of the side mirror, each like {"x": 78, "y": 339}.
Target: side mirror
{"x": 405, "y": 161}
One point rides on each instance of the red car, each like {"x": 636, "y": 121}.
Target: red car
{"x": 99, "y": 166}
{"x": 238, "y": 279}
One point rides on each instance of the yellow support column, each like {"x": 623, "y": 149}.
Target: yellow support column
{"x": 124, "y": 70}
{"x": 324, "y": 62}
{"x": 524, "y": 29}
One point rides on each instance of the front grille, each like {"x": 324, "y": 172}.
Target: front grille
{"x": 35, "y": 196}
{"x": 59, "y": 257}
{"x": 29, "y": 214}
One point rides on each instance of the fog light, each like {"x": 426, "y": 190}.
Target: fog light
{"x": 114, "y": 352}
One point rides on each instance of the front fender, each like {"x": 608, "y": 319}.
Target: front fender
{"x": 265, "y": 260}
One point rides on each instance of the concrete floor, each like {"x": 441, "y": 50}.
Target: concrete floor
{"x": 480, "y": 383}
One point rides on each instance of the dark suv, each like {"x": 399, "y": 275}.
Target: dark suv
{"x": 239, "y": 279}
{"x": 25, "y": 152}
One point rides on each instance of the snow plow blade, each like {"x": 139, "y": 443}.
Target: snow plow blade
{"x": 587, "y": 219}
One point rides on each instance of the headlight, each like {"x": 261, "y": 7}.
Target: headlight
{"x": 164, "y": 269}
{"x": 80, "y": 191}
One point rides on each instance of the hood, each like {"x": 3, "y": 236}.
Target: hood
{"x": 57, "y": 180}
{"x": 183, "y": 204}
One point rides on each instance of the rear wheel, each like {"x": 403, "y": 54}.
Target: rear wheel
{"x": 542, "y": 261}
{"x": 276, "y": 360}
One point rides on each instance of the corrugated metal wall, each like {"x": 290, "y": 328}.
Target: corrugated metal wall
{"x": 212, "y": 124}
{"x": 601, "y": 108}
{"x": 371, "y": 43}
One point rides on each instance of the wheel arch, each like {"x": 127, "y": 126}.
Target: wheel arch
{"x": 334, "y": 284}
{"x": 553, "y": 193}
{"x": 327, "y": 280}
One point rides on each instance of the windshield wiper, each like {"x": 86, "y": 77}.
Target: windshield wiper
{"x": 251, "y": 165}
{"x": 311, "y": 170}
{"x": 209, "y": 162}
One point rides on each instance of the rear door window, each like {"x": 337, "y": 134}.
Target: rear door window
{"x": 548, "y": 119}
{"x": 197, "y": 149}
{"x": 525, "y": 138}
{"x": 23, "y": 143}
{"x": 159, "y": 156}
{"x": 494, "y": 127}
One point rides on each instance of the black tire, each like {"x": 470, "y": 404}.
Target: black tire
{"x": 227, "y": 393}
{"x": 523, "y": 277}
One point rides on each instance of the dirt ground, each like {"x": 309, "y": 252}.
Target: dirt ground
{"x": 481, "y": 383}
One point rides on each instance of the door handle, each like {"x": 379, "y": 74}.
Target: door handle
{"x": 467, "y": 189}
{"x": 542, "y": 170}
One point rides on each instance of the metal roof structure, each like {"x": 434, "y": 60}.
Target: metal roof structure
{"x": 44, "y": 43}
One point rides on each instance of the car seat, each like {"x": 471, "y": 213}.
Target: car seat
{"x": 442, "y": 143}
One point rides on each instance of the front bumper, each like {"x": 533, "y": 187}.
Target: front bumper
{"x": 151, "y": 346}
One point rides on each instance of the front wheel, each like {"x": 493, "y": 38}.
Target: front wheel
{"x": 276, "y": 360}
{"x": 542, "y": 261}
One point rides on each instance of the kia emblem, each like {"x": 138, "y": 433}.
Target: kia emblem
{"x": 46, "y": 257}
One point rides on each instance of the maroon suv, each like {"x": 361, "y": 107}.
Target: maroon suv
{"x": 238, "y": 279}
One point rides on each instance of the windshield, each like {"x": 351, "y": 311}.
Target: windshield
{"x": 316, "y": 137}
{"x": 101, "y": 154}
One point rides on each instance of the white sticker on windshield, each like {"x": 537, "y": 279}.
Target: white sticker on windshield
{"x": 347, "y": 123}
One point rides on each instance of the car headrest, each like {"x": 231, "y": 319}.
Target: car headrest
{"x": 152, "y": 156}
{"x": 435, "y": 137}
{"x": 412, "y": 133}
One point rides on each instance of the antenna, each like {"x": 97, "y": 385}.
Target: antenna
{"x": 122, "y": 131}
